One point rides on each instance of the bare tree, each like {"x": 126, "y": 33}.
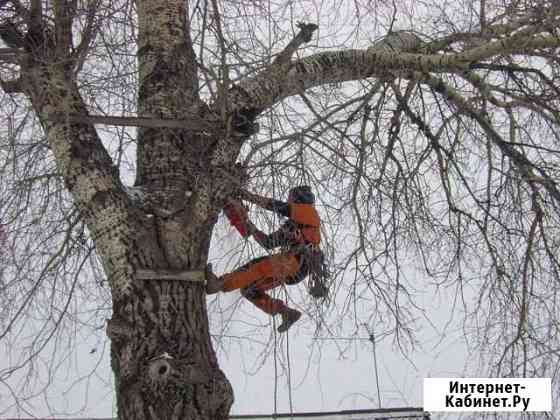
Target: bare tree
{"x": 434, "y": 146}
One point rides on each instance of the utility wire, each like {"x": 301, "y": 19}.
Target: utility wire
{"x": 375, "y": 368}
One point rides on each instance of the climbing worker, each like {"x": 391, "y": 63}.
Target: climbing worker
{"x": 299, "y": 238}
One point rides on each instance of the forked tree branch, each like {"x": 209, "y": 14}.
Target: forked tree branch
{"x": 395, "y": 55}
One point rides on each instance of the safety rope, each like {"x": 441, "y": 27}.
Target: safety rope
{"x": 275, "y": 369}
{"x": 289, "y": 373}
{"x": 273, "y": 291}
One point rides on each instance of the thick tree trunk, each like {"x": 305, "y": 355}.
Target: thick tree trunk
{"x": 161, "y": 351}
{"x": 162, "y": 357}
{"x": 164, "y": 363}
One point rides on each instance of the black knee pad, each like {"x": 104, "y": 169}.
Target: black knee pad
{"x": 251, "y": 291}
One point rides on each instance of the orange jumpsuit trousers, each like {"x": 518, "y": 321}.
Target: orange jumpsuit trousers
{"x": 265, "y": 273}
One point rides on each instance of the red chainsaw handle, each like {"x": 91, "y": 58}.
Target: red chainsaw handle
{"x": 237, "y": 216}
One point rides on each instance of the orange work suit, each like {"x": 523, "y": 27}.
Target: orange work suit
{"x": 287, "y": 267}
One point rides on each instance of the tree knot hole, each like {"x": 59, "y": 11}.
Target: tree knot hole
{"x": 160, "y": 370}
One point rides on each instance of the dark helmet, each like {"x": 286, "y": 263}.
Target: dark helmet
{"x": 302, "y": 195}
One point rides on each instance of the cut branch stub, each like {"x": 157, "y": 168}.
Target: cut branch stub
{"x": 307, "y": 30}
{"x": 244, "y": 111}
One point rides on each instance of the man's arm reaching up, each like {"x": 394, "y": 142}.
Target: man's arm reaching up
{"x": 266, "y": 203}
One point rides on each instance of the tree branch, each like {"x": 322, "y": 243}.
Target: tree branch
{"x": 87, "y": 169}
{"x": 64, "y": 13}
{"x": 525, "y": 167}
{"x": 88, "y": 36}
{"x": 395, "y": 55}
{"x": 244, "y": 112}
{"x": 303, "y": 36}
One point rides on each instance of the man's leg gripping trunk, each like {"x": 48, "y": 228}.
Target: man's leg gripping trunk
{"x": 261, "y": 275}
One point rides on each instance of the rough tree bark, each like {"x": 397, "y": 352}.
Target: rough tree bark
{"x": 162, "y": 357}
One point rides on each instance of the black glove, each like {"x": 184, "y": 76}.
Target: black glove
{"x": 318, "y": 290}
{"x": 251, "y": 228}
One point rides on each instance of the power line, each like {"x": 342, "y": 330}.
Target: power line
{"x": 376, "y": 371}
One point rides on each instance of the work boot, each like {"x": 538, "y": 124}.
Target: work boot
{"x": 289, "y": 317}
{"x": 214, "y": 284}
